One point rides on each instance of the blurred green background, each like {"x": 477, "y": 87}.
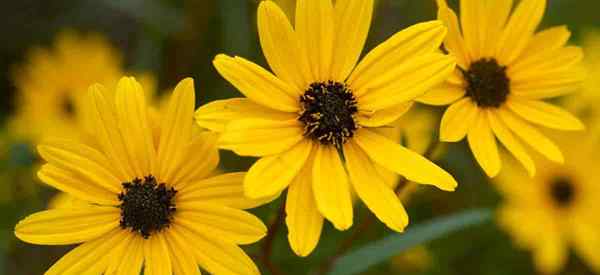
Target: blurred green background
{"x": 176, "y": 39}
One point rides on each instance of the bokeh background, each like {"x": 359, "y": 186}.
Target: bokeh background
{"x": 167, "y": 40}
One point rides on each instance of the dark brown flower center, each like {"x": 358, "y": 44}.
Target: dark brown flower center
{"x": 68, "y": 107}
{"x": 328, "y": 110}
{"x": 487, "y": 83}
{"x": 562, "y": 191}
{"x": 146, "y": 206}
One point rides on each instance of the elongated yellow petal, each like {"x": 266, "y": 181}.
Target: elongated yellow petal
{"x": 474, "y": 25}
{"x": 226, "y": 189}
{"x": 515, "y": 147}
{"x": 404, "y": 46}
{"x": 495, "y": 15}
{"x": 385, "y": 116}
{"x": 76, "y": 185}
{"x": 303, "y": 219}
{"x": 585, "y": 241}
{"x": 407, "y": 163}
{"x": 259, "y": 137}
{"x": 156, "y": 256}
{"x": 217, "y": 257}
{"x": 352, "y": 22}
{"x": 552, "y": 253}
{"x": 257, "y": 84}
{"x": 181, "y": 255}
{"x": 531, "y": 136}
{"x": 545, "y": 114}
{"x": 119, "y": 253}
{"x": 316, "y": 33}
{"x": 548, "y": 85}
{"x": 372, "y": 190}
{"x": 89, "y": 258}
{"x": 67, "y": 226}
{"x": 86, "y": 162}
{"x": 270, "y": 175}
{"x": 443, "y": 94}
{"x": 132, "y": 114}
{"x": 331, "y": 188}
{"x": 176, "y": 129}
{"x": 133, "y": 259}
{"x": 483, "y": 145}
{"x": 560, "y": 60}
{"x": 217, "y": 114}
{"x": 458, "y": 119}
{"x": 454, "y": 42}
{"x": 281, "y": 47}
{"x": 200, "y": 159}
{"x": 519, "y": 30}
{"x": 230, "y": 224}
{"x": 543, "y": 43}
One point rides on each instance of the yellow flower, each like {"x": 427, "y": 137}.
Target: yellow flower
{"x": 151, "y": 202}
{"x": 312, "y": 121}
{"x": 51, "y": 85}
{"x": 556, "y": 209}
{"x": 504, "y": 70}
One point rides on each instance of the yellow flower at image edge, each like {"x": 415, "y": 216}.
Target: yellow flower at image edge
{"x": 151, "y": 203}
{"x": 313, "y": 122}
{"x": 556, "y": 209}
{"x": 504, "y": 70}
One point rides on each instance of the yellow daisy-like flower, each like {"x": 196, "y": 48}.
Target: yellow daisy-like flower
{"x": 151, "y": 202}
{"x": 556, "y": 209}
{"x": 52, "y": 84}
{"x": 312, "y": 122}
{"x": 504, "y": 70}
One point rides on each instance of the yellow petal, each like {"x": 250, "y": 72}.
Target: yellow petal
{"x": 270, "y": 175}
{"x": 551, "y": 62}
{"x": 181, "y": 255}
{"x": 76, "y": 186}
{"x": 281, "y": 47}
{"x": 519, "y": 30}
{"x": 454, "y": 42}
{"x": 304, "y": 222}
{"x": 531, "y": 136}
{"x": 405, "y": 82}
{"x": 89, "y": 258}
{"x": 176, "y": 129}
{"x": 407, "y": 163}
{"x": 133, "y": 259}
{"x": 216, "y": 256}
{"x": 230, "y": 224}
{"x": 331, "y": 187}
{"x": 404, "y": 46}
{"x": 495, "y": 16}
{"x": 67, "y": 226}
{"x": 545, "y": 114}
{"x": 551, "y": 84}
{"x": 372, "y": 190}
{"x": 260, "y": 137}
{"x": 257, "y": 84}
{"x": 457, "y": 120}
{"x": 586, "y": 240}
{"x": 483, "y": 145}
{"x": 86, "y": 162}
{"x": 443, "y": 94}
{"x": 352, "y": 22}
{"x": 104, "y": 118}
{"x": 120, "y": 252}
{"x": 385, "y": 116}
{"x": 226, "y": 189}
{"x": 315, "y": 29}
{"x": 216, "y": 114}
{"x": 473, "y": 23}
{"x": 552, "y": 253}
{"x": 132, "y": 114}
{"x": 542, "y": 44}
{"x": 156, "y": 256}
{"x": 200, "y": 160}
{"x": 515, "y": 147}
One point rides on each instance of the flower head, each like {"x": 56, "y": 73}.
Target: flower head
{"x": 313, "y": 122}
{"x": 143, "y": 199}
{"x": 504, "y": 70}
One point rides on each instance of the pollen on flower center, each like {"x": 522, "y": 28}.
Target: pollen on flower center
{"x": 487, "y": 83}
{"x": 146, "y": 206}
{"x": 328, "y": 110}
{"x": 562, "y": 191}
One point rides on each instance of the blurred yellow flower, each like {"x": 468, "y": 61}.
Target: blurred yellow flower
{"x": 417, "y": 259}
{"x": 151, "y": 203}
{"x": 321, "y": 107}
{"x": 556, "y": 209}
{"x": 51, "y": 85}
{"x": 505, "y": 69}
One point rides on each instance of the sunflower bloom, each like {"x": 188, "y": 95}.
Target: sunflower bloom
{"x": 557, "y": 209}
{"x": 151, "y": 202}
{"x": 312, "y": 122}
{"x": 504, "y": 71}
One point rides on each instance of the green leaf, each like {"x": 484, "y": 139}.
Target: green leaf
{"x": 376, "y": 252}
